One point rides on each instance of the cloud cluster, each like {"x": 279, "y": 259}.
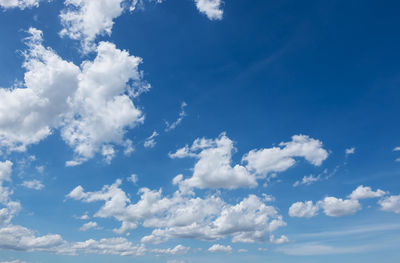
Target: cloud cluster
{"x": 184, "y": 216}
{"x": 337, "y": 207}
{"x": 213, "y": 168}
{"x": 91, "y": 104}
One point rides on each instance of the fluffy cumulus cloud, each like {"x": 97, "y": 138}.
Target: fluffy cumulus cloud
{"x": 363, "y": 192}
{"x": 213, "y": 168}
{"x": 211, "y": 8}
{"x": 303, "y": 209}
{"x": 279, "y": 159}
{"x": 21, "y": 4}
{"x": 19, "y": 238}
{"x": 336, "y": 207}
{"x": 22, "y": 239}
{"x": 391, "y": 204}
{"x": 185, "y": 216}
{"x": 333, "y": 206}
{"x": 281, "y": 240}
{"x": 84, "y": 20}
{"x": 91, "y": 104}
{"x": 220, "y": 248}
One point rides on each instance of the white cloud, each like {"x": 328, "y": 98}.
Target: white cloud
{"x": 109, "y": 246}
{"x": 84, "y": 20}
{"x": 175, "y": 124}
{"x": 33, "y": 184}
{"x": 303, "y": 209}
{"x": 281, "y": 240}
{"x": 21, "y": 4}
{"x": 336, "y": 207}
{"x": 88, "y": 225}
{"x": 308, "y": 180}
{"x": 90, "y": 104}
{"x": 5, "y": 171}
{"x": 396, "y": 149}
{"x": 390, "y": 204}
{"x": 350, "y": 151}
{"x": 83, "y": 217}
{"x": 133, "y": 178}
{"x": 242, "y": 250}
{"x": 150, "y": 142}
{"x": 211, "y": 8}
{"x": 178, "y": 250}
{"x": 220, "y": 248}
{"x": 364, "y": 192}
{"x": 184, "y": 216}
{"x": 279, "y": 159}
{"x": 213, "y": 168}
{"x": 19, "y": 238}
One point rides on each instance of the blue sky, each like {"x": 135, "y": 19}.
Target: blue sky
{"x": 199, "y": 131}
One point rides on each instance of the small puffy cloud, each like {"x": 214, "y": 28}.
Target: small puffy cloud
{"x": 364, "y": 192}
{"x": 150, "y": 142}
{"x": 350, "y": 151}
{"x": 33, "y": 184}
{"x": 281, "y": 240}
{"x": 220, "y": 248}
{"x": 213, "y": 168}
{"x": 279, "y": 159}
{"x": 390, "y": 204}
{"x": 133, "y": 178}
{"x": 88, "y": 225}
{"x": 83, "y": 217}
{"x": 336, "y": 207}
{"x": 242, "y": 250}
{"x": 308, "y": 180}
{"x": 78, "y": 193}
{"x": 396, "y": 149}
{"x": 178, "y": 250}
{"x": 303, "y": 209}
{"x": 211, "y": 8}
{"x": 21, "y": 4}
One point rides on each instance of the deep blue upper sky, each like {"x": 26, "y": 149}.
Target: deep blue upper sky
{"x": 265, "y": 71}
